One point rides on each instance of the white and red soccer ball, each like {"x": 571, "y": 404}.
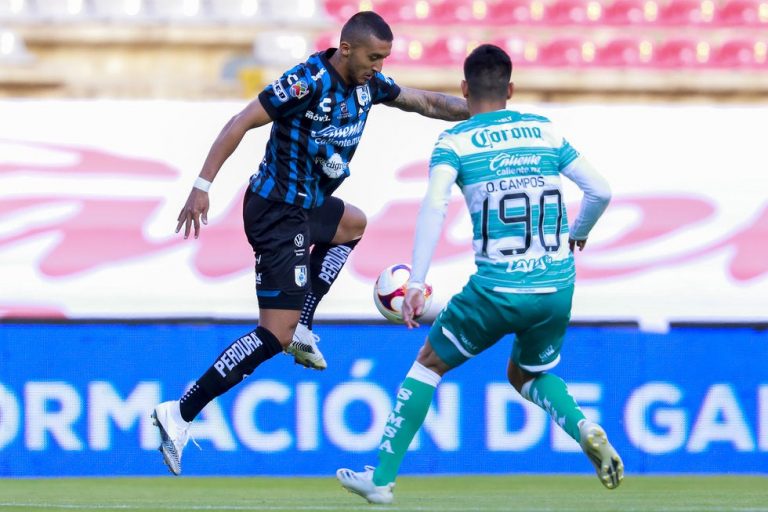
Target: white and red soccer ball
{"x": 389, "y": 292}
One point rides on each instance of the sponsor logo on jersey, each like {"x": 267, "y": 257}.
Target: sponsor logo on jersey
{"x": 343, "y": 111}
{"x": 299, "y": 89}
{"x": 504, "y": 163}
{"x": 344, "y": 136}
{"x": 320, "y": 118}
{"x": 486, "y": 138}
{"x": 319, "y": 75}
{"x": 363, "y": 94}
{"x": 333, "y": 167}
{"x": 279, "y": 91}
{"x": 530, "y": 265}
{"x": 298, "y": 240}
{"x": 300, "y": 275}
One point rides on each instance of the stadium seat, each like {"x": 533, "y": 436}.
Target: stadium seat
{"x": 119, "y": 10}
{"x": 624, "y": 52}
{"x": 509, "y": 13}
{"x": 342, "y": 10}
{"x": 568, "y": 51}
{"x": 742, "y": 53}
{"x": 736, "y": 13}
{"x": 572, "y": 12}
{"x": 629, "y": 12}
{"x": 685, "y": 12}
{"x": 523, "y": 52}
{"x": 326, "y": 40}
{"x": 14, "y": 10}
{"x": 448, "y": 51}
{"x": 406, "y": 51}
{"x": 294, "y": 12}
{"x": 403, "y": 11}
{"x": 280, "y": 48}
{"x": 681, "y": 53}
{"x": 458, "y": 11}
{"x": 234, "y": 11}
{"x": 61, "y": 10}
{"x": 13, "y": 50}
{"x": 176, "y": 10}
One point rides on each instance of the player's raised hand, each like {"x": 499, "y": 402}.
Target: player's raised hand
{"x": 195, "y": 210}
{"x": 576, "y": 243}
{"x": 413, "y": 306}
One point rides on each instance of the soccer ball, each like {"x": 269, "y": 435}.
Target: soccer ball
{"x": 389, "y": 292}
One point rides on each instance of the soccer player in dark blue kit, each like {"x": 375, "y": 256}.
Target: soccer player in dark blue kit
{"x": 318, "y": 111}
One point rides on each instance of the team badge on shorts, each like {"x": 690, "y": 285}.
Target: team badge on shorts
{"x": 300, "y": 275}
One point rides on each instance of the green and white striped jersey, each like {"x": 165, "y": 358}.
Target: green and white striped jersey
{"x": 508, "y": 166}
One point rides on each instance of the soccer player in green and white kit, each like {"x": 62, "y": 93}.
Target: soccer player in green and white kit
{"x": 508, "y": 166}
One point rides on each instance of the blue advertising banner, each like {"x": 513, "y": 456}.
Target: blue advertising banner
{"x": 75, "y": 399}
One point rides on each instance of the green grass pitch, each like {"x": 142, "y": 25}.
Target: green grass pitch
{"x": 438, "y": 494}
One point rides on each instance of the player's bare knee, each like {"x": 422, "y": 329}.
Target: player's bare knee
{"x": 353, "y": 223}
{"x": 517, "y": 376}
{"x": 282, "y": 329}
{"x": 429, "y": 359}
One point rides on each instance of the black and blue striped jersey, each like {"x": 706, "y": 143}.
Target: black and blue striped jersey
{"x": 317, "y": 123}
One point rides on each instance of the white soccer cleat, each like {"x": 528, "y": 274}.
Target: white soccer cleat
{"x": 608, "y": 465}
{"x": 362, "y": 485}
{"x": 174, "y": 434}
{"x": 304, "y": 349}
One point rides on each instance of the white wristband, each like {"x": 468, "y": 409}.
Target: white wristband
{"x": 202, "y": 184}
{"x": 418, "y": 286}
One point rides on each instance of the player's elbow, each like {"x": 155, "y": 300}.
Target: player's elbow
{"x": 436, "y": 206}
{"x": 602, "y": 193}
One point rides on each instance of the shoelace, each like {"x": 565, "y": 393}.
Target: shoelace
{"x": 190, "y": 438}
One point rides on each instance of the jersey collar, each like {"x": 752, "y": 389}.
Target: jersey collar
{"x": 335, "y": 76}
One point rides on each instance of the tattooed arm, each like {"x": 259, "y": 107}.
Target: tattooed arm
{"x": 431, "y": 104}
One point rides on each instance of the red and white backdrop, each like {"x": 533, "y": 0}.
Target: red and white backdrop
{"x": 90, "y": 191}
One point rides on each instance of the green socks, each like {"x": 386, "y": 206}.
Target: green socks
{"x": 415, "y": 396}
{"x": 413, "y": 400}
{"x": 551, "y": 394}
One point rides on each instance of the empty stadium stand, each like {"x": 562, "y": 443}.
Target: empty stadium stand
{"x": 562, "y": 49}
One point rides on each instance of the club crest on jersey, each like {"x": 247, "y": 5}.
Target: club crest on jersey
{"x": 363, "y": 94}
{"x": 299, "y": 89}
{"x": 300, "y": 275}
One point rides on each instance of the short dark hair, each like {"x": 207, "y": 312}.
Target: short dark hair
{"x": 364, "y": 24}
{"x": 488, "y": 70}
